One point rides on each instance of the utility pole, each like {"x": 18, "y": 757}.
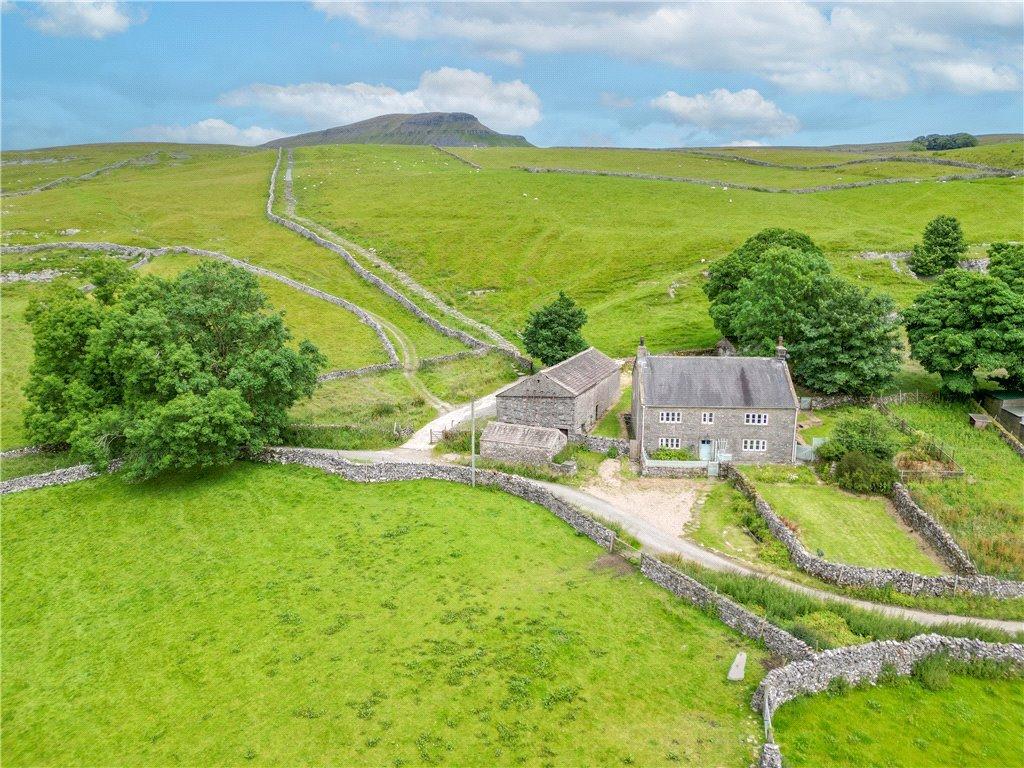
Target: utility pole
{"x": 472, "y": 440}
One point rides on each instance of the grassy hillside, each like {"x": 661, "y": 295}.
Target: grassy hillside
{"x": 497, "y": 243}
{"x": 275, "y": 615}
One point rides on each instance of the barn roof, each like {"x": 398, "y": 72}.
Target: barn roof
{"x": 523, "y": 434}
{"x": 723, "y": 382}
{"x": 571, "y": 377}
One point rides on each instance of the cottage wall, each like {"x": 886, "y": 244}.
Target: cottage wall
{"x": 537, "y": 402}
{"x": 779, "y": 432}
{"x": 538, "y": 411}
{"x": 592, "y": 405}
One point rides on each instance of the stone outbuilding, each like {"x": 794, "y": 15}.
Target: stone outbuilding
{"x": 520, "y": 443}
{"x": 571, "y": 396}
{"x": 742, "y": 409}
{"x": 1008, "y": 408}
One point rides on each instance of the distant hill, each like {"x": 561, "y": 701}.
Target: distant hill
{"x": 903, "y": 146}
{"x": 445, "y": 129}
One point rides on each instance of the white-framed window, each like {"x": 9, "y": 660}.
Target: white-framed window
{"x": 755, "y": 418}
{"x": 755, "y": 445}
{"x": 670, "y": 417}
{"x": 668, "y": 442}
{"x": 708, "y": 417}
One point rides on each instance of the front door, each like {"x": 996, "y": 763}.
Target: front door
{"x": 705, "y": 450}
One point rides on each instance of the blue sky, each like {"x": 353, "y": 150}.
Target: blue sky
{"x": 678, "y": 74}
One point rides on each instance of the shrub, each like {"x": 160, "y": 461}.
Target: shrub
{"x": 937, "y": 142}
{"x": 861, "y": 473}
{"x": 837, "y": 686}
{"x": 888, "y": 675}
{"x": 613, "y": 453}
{"x": 673, "y": 454}
{"x": 867, "y": 432}
{"x": 932, "y": 672}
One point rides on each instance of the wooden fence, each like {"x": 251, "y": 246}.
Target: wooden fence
{"x": 938, "y": 451}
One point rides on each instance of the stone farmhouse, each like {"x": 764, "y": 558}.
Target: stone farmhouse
{"x": 742, "y": 409}
{"x": 570, "y": 396}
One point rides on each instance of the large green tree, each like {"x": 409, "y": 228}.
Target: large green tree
{"x": 849, "y": 342}
{"x": 776, "y": 298}
{"x": 941, "y": 247}
{"x": 190, "y": 372}
{"x": 778, "y": 283}
{"x": 1006, "y": 263}
{"x": 967, "y": 322}
{"x": 552, "y": 333}
{"x": 725, "y": 275}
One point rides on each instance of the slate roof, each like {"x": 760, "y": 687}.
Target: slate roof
{"x": 523, "y": 434}
{"x": 567, "y": 379}
{"x": 720, "y": 382}
{"x": 582, "y": 371}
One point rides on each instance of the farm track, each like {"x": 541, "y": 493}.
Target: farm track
{"x": 141, "y": 160}
{"x": 727, "y": 185}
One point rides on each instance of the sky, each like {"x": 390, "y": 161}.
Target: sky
{"x": 604, "y": 74}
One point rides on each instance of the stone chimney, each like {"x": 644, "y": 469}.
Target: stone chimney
{"x": 780, "y": 350}
{"x": 641, "y": 351}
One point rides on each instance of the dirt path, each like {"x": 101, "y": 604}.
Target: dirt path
{"x": 665, "y": 504}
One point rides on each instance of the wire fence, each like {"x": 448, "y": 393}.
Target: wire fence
{"x": 940, "y": 452}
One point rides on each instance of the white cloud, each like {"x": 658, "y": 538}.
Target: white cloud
{"x": 509, "y": 56}
{"x": 746, "y": 143}
{"x": 504, "y": 106}
{"x": 83, "y": 18}
{"x": 970, "y": 76}
{"x": 209, "y": 131}
{"x": 864, "y": 48}
{"x": 724, "y": 112}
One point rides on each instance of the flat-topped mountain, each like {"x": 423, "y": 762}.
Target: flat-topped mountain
{"x": 445, "y": 129}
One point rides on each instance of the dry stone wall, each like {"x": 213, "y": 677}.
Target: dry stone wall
{"x": 930, "y": 529}
{"x": 858, "y": 576}
{"x": 460, "y": 158}
{"x": 56, "y": 477}
{"x": 859, "y": 663}
{"x": 859, "y": 161}
{"x": 732, "y": 614}
{"x": 377, "y": 282}
{"x": 145, "y": 254}
{"x": 600, "y": 444}
{"x": 992, "y": 173}
{"x": 386, "y": 472}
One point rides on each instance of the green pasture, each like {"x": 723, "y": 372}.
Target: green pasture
{"x": 459, "y": 381}
{"x": 343, "y": 339}
{"x": 15, "y": 359}
{"x": 973, "y": 722}
{"x": 692, "y": 165}
{"x": 498, "y": 243}
{"x": 269, "y": 615}
{"x": 985, "y": 509}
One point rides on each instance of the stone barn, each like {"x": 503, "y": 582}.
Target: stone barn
{"x": 571, "y": 396}
{"x": 520, "y": 443}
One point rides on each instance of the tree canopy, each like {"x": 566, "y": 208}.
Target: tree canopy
{"x": 967, "y": 322}
{"x": 1006, "y": 263}
{"x": 941, "y": 248}
{"x": 850, "y": 343}
{"x": 189, "y": 372}
{"x": 940, "y": 141}
{"x": 841, "y": 338}
{"x": 552, "y": 333}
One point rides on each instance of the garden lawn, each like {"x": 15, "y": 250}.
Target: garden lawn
{"x": 975, "y": 722}
{"x": 271, "y": 615}
{"x": 984, "y": 511}
{"x": 847, "y": 528}
{"x": 719, "y": 525}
